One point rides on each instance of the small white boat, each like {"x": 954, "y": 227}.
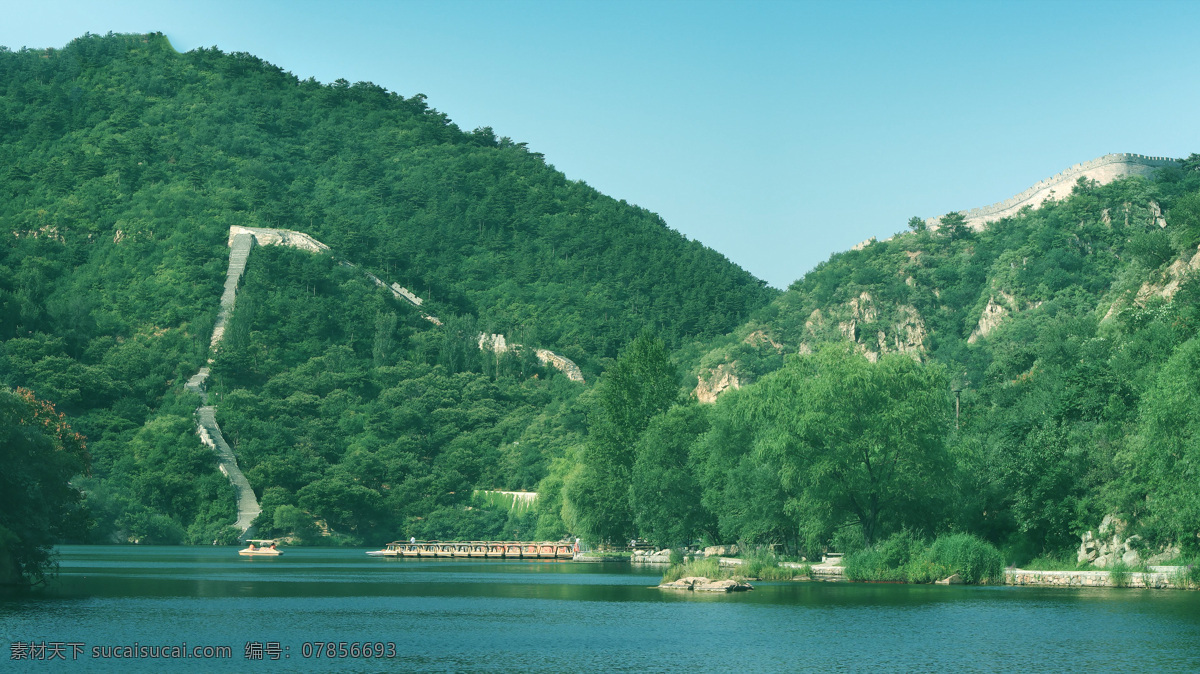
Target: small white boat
{"x": 265, "y": 547}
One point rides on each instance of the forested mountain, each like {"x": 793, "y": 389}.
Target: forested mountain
{"x": 1068, "y": 335}
{"x": 125, "y": 164}
{"x": 1021, "y": 382}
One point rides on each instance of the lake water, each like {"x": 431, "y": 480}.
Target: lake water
{"x": 460, "y": 615}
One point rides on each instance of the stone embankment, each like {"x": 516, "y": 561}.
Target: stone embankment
{"x": 1103, "y": 170}
{"x": 829, "y": 569}
{"x": 1155, "y": 577}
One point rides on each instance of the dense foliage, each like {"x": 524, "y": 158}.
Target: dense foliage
{"x": 1068, "y": 336}
{"x": 639, "y": 386}
{"x": 38, "y": 506}
{"x": 1014, "y": 383}
{"x": 906, "y": 558}
{"x": 126, "y": 163}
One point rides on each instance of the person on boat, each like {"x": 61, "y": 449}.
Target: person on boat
{"x": 252, "y": 548}
{"x": 272, "y": 546}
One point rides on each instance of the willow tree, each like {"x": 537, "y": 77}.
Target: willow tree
{"x": 855, "y": 442}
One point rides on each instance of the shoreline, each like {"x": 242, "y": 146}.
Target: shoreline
{"x": 1154, "y": 578}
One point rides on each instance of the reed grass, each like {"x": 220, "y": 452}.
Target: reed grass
{"x": 709, "y": 568}
{"x": 905, "y": 558}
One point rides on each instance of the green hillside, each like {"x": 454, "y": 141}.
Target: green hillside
{"x": 125, "y": 165}
{"x": 1069, "y": 333}
{"x": 1021, "y": 383}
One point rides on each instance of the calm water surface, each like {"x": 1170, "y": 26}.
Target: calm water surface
{"x": 450, "y": 615}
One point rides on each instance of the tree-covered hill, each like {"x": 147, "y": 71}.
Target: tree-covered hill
{"x": 124, "y": 165}
{"x": 1068, "y": 335}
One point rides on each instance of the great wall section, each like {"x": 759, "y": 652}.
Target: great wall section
{"x": 1103, "y": 170}
{"x": 242, "y": 241}
{"x": 206, "y": 416}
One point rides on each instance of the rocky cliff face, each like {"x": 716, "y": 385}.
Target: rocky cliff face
{"x": 720, "y": 380}
{"x": 900, "y": 330}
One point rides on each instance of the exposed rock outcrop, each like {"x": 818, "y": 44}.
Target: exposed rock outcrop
{"x": 650, "y": 557}
{"x": 760, "y": 337}
{"x": 1172, "y": 278}
{"x": 1109, "y": 544}
{"x": 721, "y": 379}
{"x": 1165, "y": 288}
{"x": 702, "y": 584}
{"x": 999, "y": 306}
{"x": 720, "y": 550}
{"x": 909, "y": 332}
{"x": 906, "y": 335}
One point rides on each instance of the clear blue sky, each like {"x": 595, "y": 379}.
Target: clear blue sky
{"x": 774, "y": 132}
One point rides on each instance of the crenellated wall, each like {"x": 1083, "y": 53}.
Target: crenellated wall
{"x": 1103, "y": 170}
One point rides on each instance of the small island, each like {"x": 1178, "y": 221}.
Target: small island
{"x": 704, "y": 584}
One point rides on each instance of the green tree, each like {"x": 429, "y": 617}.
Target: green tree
{"x": 664, "y": 493}
{"x": 385, "y": 331}
{"x": 855, "y": 439}
{"x": 38, "y": 506}
{"x": 641, "y": 384}
{"x": 1166, "y": 452}
{"x": 953, "y": 225}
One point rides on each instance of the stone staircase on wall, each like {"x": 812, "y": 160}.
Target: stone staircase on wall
{"x": 239, "y": 252}
{"x": 263, "y": 236}
{"x": 240, "y": 245}
{"x": 210, "y": 435}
